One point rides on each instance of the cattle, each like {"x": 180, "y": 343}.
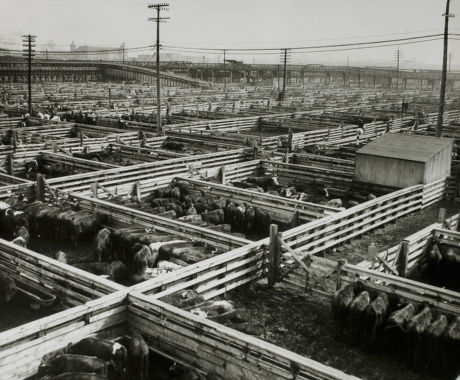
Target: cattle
{"x": 451, "y": 340}
{"x": 7, "y": 288}
{"x": 416, "y": 327}
{"x": 262, "y": 221}
{"x": 337, "y": 203}
{"x": 355, "y": 318}
{"x": 118, "y": 272}
{"x": 172, "y": 145}
{"x": 138, "y": 358}
{"x": 21, "y": 232}
{"x": 11, "y": 221}
{"x": 239, "y": 216}
{"x": 250, "y": 219}
{"x": 115, "y": 353}
{"x": 191, "y": 211}
{"x": 432, "y": 266}
{"x": 158, "y": 210}
{"x": 72, "y": 363}
{"x": 340, "y": 302}
{"x": 450, "y": 267}
{"x": 432, "y": 353}
{"x": 144, "y": 258}
{"x": 227, "y": 228}
{"x": 264, "y": 182}
{"x": 103, "y": 251}
{"x": 230, "y": 213}
{"x": 171, "y": 214}
{"x": 213, "y": 217}
{"x": 165, "y": 201}
{"x": 375, "y": 315}
{"x": 394, "y": 333}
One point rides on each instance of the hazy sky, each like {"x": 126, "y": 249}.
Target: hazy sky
{"x": 239, "y": 23}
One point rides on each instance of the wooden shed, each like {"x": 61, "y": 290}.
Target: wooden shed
{"x": 401, "y": 160}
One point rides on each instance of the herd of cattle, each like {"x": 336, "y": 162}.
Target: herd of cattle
{"x": 426, "y": 339}
{"x": 100, "y": 359}
{"x": 182, "y": 202}
{"x": 442, "y": 266}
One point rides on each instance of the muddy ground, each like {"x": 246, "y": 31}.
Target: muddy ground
{"x": 303, "y": 324}
{"x": 392, "y": 234}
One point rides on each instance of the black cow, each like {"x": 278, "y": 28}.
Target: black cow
{"x": 432, "y": 345}
{"x": 416, "y": 327}
{"x": 356, "y": 318}
{"x": 7, "y": 288}
{"x": 104, "y": 248}
{"x": 72, "y": 363}
{"x": 11, "y": 221}
{"x": 451, "y": 340}
{"x": 262, "y": 221}
{"x": 394, "y": 333}
{"x": 375, "y": 316}
{"x": 115, "y": 353}
{"x": 340, "y": 302}
{"x": 138, "y": 358}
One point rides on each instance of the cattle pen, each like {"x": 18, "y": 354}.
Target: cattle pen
{"x": 228, "y": 235}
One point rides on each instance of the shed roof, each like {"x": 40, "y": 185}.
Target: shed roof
{"x": 406, "y": 147}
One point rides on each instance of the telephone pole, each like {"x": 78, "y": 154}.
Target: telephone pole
{"x": 444, "y": 72}
{"x": 398, "y": 56}
{"x": 158, "y": 19}
{"x": 225, "y": 76}
{"x": 283, "y": 93}
{"x": 29, "y": 53}
{"x": 123, "y": 50}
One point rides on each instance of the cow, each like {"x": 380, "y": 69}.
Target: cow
{"x": 21, "y": 232}
{"x": 115, "y": 353}
{"x": 239, "y": 216}
{"x": 11, "y": 221}
{"x": 450, "y": 265}
{"x": 190, "y": 210}
{"x": 432, "y": 353}
{"x": 138, "y": 358}
{"x": 72, "y": 363}
{"x": 394, "y": 333}
{"x": 432, "y": 266}
{"x": 249, "y": 219}
{"x": 213, "y": 217}
{"x": 103, "y": 240}
{"x": 264, "y": 182}
{"x": 230, "y": 213}
{"x": 7, "y": 288}
{"x": 355, "y": 318}
{"x": 262, "y": 221}
{"x": 165, "y": 201}
{"x": 451, "y": 340}
{"x": 375, "y": 315}
{"x": 144, "y": 258}
{"x": 172, "y": 145}
{"x": 416, "y": 327}
{"x": 340, "y": 303}
{"x": 118, "y": 272}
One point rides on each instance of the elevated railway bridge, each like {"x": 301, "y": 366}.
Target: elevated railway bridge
{"x": 177, "y": 73}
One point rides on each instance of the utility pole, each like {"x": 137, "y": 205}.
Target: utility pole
{"x": 284, "y": 73}
{"x": 225, "y": 77}
{"x": 123, "y": 50}
{"x": 29, "y": 53}
{"x": 398, "y": 55}
{"x": 444, "y": 74}
{"x": 158, "y": 19}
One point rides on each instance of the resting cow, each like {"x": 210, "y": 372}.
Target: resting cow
{"x": 103, "y": 349}
{"x": 72, "y": 363}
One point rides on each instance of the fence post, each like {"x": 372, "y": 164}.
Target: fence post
{"x": 80, "y": 135}
{"x": 371, "y": 254}
{"x": 137, "y": 191}
{"x": 10, "y": 164}
{"x": 94, "y": 189}
{"x": 40, "y": 191}
{"x": 402, "y": 259}
{"x": 290, "y": 147}
{"x": 273, "y": 256}
{"x": 442, "y": 216}
{"x": 340, "y": 264}
{"x": 286, "y": 156}
{"x": 222, "y": 175}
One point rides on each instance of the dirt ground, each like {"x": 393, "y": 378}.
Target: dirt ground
{"x": 392, "y": 234}
{"x": 304, "y": 324}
